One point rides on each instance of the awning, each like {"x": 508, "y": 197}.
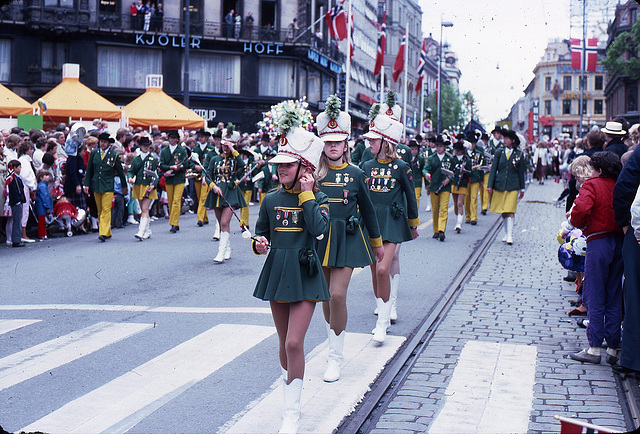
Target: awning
{"x": 73, "y": 99}
{"x": 154, "y": 107}
{"x": 12, "y": 105}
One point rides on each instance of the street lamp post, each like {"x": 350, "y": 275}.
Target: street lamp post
{"x": 439, "y": 86}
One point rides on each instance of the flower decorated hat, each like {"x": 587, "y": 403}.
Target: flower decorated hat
{"x": 296, "y": 143}
{"x": 382, "y": 126}
{"x": 390, "y": 107}
{"x": 333, "y": 124}
{"x": 229, "y": 135}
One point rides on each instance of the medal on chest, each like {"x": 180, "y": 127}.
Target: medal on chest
{"x": 285, "y": 220}
{"x": 345, "y": 194}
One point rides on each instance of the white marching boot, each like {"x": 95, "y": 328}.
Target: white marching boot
{"x": 509, "y": 230}
{"x": 147, "y": 229}
{"x": 291, "y": 413}
{"x": 504, "y": 226}
{"x": 459, "y": 223}
{"x": 334, "y": 362}
{"x": 393, "y": 298}
{"x": 224, "y": 239}
{"x": 144, "y": 221}
{"x": 380, "y": 332}
{"x": 94, "y": 224}
{"x": 216, "y": 233}
{"x": 227, "y": 249}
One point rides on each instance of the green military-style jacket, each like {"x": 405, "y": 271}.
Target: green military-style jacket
{"x": 461, "y": 170}
{"x": 179, "y": 157}
{"x": 476, "y": 155}
{"x": 417, "y": 165}
{"x": 267, "y": 183}
{"x": 101, "y": 171}
{"x": 507, "y": 174}
{"x": 434, "y": 166}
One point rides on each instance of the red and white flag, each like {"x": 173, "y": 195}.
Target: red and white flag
{"x": 574, "y": 426}
{"x": 398, "y": 66}
{"x": 591, "y": 54}
{"x": 351, "y": 46}
{"x": 422, "y": 65}
{"x": 337, "y": 21}
{"x": 382, "y": 43}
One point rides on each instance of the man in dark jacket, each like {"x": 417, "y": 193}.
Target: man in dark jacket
{"x": 615, "y": 135}
{"x": 16, "y": 200}
{"x": 623, "y": 196}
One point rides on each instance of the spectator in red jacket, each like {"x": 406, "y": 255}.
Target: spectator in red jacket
{"x": 602, "y": 286}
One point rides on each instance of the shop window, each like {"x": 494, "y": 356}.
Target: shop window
{"x": 584, "y": 107}
{"x": 566, "y": 106}
{"x": 5, "y": 59}
{"x": 597, "y": 107}
{"x": 58, "y": 3}
{"x": 547, "y": 84}
{"x": 585, "y": 83}
{"x": 567, "y": 129}
{"x": 127, "y": 67}
{"x": 566, "y": 82}
{"x": 277, "y": 78}
{"x": 314, "y": 87}
{"x": 547, "y": 107}
{"x": 328, "y": 87}
{"x": 212, "y": 73}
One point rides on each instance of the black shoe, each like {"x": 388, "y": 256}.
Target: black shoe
{"x": 466, "y": 222}
{"x": 173, "y": 229}
{"x": 441, "y": 236}
{"x": 200, "y": 224}
{"x": 102, "y": 238}
{"x": 436, "y": 236}
{"x": 18, "y": 244}
{"x": 206, "y": 223}
{"x": 474, "y": 222}
{"x": 177, "y": 228}
{"x": 458, "y": 230}
{"x": 582, "y": 323}
{"x": 570, "y": 277}
{"x": 619, "y": 369}
{"x": 483, "y": 212}
{"x": 575, "y": 303}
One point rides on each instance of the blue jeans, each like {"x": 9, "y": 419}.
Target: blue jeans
{"x": 16, "y": 229}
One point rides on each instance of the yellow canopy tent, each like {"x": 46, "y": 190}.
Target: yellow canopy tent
{"x": 12, "y": 105}
{"x": 73, "y": 99}
{"x": 154, "y": 107}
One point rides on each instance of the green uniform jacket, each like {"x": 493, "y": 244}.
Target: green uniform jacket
{"x": 138, "y": 166}
{"x": 477, "y": 159}
{"x": 417, "y": 165}
{"x": 403, "y": 151}
{"x": 225, "y": 171}
{"x": 267, "y": 183}
{"x": 356, "y": 155}
{"x": 251, "y": 169}
{"x": 179, "y": 157}
{"x": 461, "y": 170}
{"x": 100, "y": 172}
{"x": 507, "y": 175}
{"x": 434, "y": 166}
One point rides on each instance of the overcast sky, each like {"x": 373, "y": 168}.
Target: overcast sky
{"x": 498, "y": 43}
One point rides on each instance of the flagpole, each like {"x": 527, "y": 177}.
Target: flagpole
{"x": 346, "y": 90}
{"x": 422, "y": 107}
{"x": 582, "y": 64}
{"x": 406, "y": 72}
{"x": 381, "y": 84}
{"x": 384, "y": 21}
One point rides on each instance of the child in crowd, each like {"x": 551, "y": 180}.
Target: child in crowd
{"x": 16, "y": 198}
{"x": 67, "y": 213}
{"x": 602, "y": 285}
{"x": 44, "y": 204}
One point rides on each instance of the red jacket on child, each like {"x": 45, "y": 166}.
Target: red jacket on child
{"x": 593, "y": 209}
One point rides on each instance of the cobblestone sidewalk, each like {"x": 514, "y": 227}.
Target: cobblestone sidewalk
{"x": 515, "y": 296}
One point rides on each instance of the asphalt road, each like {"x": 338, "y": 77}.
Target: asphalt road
{"x": 166, "y": 291}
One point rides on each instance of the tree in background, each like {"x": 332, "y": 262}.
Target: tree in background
{"x": 622, "y": 54}
{"x": 456, "y": 108}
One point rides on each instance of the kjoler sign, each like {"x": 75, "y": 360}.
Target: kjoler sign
{"x": 166, "y": 40}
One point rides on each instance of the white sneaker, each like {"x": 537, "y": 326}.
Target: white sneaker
{"x": 132, "y": 220}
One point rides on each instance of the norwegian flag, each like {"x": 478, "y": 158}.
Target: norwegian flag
{"x": 337, "y": 21}
{"x": 422, "y": 65}
{"x": 574, "y": 426}
{"x": 591, "y": 52}
{"x": 382, "y": 43}
{"x": 398, "y": 66}
{"x": 351, "y": 45}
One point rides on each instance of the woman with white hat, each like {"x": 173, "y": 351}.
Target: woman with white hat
{"x": 290, "y": 221}
{"x": 390, "y": 184}
{"x": 346, "y": 246}
{"x": 225, "y": 170}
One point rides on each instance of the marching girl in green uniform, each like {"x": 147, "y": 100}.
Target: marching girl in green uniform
{"x": 202, "y": 148}
{"x": 390, "y": 184}
{"x": 461, "y": 168}
{"x": 289, "y": 222}
{"x": 143, "y": 174}
{"x": 506, "y": 181}
{"x": 476, "y": 178}
{"x": 417, "y": 165}
{"x": 225, "y": 170}
{"x": 346, "y": 246}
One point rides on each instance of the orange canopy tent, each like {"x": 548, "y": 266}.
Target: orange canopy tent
{"x": 73, "y": 99}
{"x": 12, "y": 105}
{"x": 154, "y": 107}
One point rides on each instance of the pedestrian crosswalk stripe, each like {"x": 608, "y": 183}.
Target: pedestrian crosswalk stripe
{"x": 491, "y": 390}
{"x": 121, "y": 308}
{"x": 7, "y": 325}
{"x": 122, "y": 403}
{"x": 49, "y": 355}
{"x": 324, "y": 405}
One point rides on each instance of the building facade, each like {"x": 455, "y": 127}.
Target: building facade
{"x": 236, "y": 71}
{"x": 551, "y": 103}
{"x": 622, "y": 92}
